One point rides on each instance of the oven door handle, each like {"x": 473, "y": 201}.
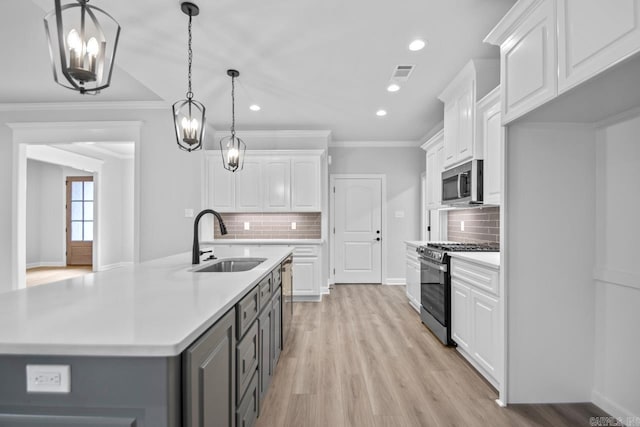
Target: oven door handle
{"x": 441, "y": 267}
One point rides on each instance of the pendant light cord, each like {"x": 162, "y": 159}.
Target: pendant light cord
{"x": 189, "y": 92}
{"x": 233, "y": 107}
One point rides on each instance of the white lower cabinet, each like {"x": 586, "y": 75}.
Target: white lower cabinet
{"x": 475, "y": 317}
{"x": 413, "y": 277}
{"x": 306, "y": 273}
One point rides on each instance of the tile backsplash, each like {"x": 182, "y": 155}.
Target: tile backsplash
{"x": 480, "y": 225}
{"x": 271, "y": 225}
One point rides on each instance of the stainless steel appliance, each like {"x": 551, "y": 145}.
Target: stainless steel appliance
{"x": 287, "y": 297}
{"x": 435, "y": 284}
{"x": 462, "y": 185}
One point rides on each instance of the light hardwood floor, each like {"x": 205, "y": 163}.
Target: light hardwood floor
{"x": 361, "y": 357}
{"x": 41, "y": 275}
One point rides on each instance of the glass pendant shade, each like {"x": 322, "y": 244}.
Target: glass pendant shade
{"x": 232, "y": 149}
{"x": 189, "y": 119}
{"x": 83, "y": 41}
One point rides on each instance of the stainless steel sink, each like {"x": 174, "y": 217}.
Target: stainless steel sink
{"x": 231, "y": 265}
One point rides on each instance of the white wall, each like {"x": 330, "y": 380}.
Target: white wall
{"x": 169, "y": 180}
{"x": 617, "y": 272}
{"x": 34, "y": 174}
{"x": 403, "y": 167}
{"x": 550, "y": 243}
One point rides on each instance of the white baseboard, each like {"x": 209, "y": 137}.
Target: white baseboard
{"x": 415, "y": 305}
{"x": 46, "y": 264}
{"x": 395, "y": 281}
{"x": 115, "y": 265}
{"x": 307, "y": 298}
{"x": 611, "y": 407}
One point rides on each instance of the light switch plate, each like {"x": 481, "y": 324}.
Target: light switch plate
{"x": 48, "y": 379}
{"x": 247, "y": 226}
{"x": 188, "y": 213}
{"x": 461, "y": 225}
{"x": 293, "y": 225}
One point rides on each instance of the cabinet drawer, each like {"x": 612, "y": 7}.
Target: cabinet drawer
{"x": 247, "y": 354}
{"x": 305, "y": 250}
{"x": 265, "y": 292}
{"x": 277, "y": 277}
{"x": 247, "y": 310}
{"x": 247, "y": 412}
{"x": 483, "y": 278}
{"x": 412, "y": 254}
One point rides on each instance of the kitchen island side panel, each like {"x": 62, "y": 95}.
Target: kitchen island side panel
{"x": 106, "y": 391}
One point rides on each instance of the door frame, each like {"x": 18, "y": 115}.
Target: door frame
{"x": 383, "y": 221}
{"x": 39, "y": 137}
{"x": 68, "y": 216}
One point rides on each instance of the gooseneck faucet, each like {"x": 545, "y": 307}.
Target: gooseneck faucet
{"x": 195, "y": 254}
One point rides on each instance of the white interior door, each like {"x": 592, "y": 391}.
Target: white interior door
{"x": 358, "y": 230}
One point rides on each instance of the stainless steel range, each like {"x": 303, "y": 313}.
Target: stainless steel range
{"x": 435, "y": 284}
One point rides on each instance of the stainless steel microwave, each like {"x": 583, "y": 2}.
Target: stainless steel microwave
{"x": 462, "y": 185}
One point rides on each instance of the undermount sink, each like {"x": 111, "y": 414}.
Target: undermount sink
{"x": 231, "y": 265}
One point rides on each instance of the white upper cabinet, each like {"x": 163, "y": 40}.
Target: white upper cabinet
{"x": 491, "y": 133}
{"x": 220, "y": 183}
{"x": 305, "y": 183}
{"x": 435, "y": 158}
{"x": 277, "y": 183}
{"x": 594, "y": 35}
{"x": 249, "y": 186}
{"x": 474, "y": 81}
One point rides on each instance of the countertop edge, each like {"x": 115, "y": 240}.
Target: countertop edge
{"x": 482, "y": 258}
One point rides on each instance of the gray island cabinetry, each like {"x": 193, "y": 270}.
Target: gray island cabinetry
{"x": 217, "y": 378}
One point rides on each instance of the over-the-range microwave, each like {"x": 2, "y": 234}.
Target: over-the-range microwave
{"x": 462, "y": 185}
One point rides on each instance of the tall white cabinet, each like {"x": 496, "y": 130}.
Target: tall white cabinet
{"x": 491, "y": 133}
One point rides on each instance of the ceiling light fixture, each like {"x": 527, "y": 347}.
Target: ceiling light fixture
{"x": 381, "y": 113}
{"x": 82, "y": 44}
{"x": 416, "y": 45}
{"x": 232, "y": 147}
{"x": 393, "y": 87}
{"x": 254, "y": 107}
{"x": 188, "y": 114}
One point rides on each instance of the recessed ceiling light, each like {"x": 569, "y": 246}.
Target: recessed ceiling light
{"x": 254, "y": 107}
{"x": 381, "y": 113}
{"x": 393, "y": 87}
{"x": 416, "y": 45}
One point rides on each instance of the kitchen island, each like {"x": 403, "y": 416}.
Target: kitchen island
{"x": 129, "y": 335}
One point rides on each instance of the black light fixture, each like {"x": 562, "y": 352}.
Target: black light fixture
{"x": 232, "y": 147}
{"x": 82, "y": 43}
{"x": 188, "y": 114}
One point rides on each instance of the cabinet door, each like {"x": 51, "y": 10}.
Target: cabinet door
{"x": 528, "y": 63}
{"x": 247, "y": 356}
{"x": 594, "y": 35}
{"x": 264, "y": 366}
{"x": 248, "y": 407}
{"x": 486, "y": 347}
{"x": 276, "y": 331}
{"x": 492, "y": 136}
{"x": 466, "y": 123}
{"x": 209, "y": 376}
{"x": 277, "y": 184}
{"x": 450, "y": 133}
{"x": 305, "y": 183}
{"x": 249, "y": 186}
{"x": 305, "y": 276}
{"x": 221, "y": 185}
{"x": 460, "y": 314}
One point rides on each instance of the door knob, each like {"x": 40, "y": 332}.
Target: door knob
{"x": 377, "y": 231}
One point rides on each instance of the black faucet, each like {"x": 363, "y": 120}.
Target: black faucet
{"x": 195, "y": 254}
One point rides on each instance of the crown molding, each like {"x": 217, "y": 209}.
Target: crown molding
{"x": 75, "y": 125}
{"x": 66, "y": 106}
{"x": 510, "y": 21}
{"x": 374, "y": 144}
{"x": 326, "y": 134}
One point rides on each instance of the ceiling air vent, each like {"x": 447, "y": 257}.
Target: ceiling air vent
{"x": 402, "y": 73}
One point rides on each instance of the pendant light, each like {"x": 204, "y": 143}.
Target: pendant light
{"x": 82, "y": 44}
{"x": 188, "y": 114}
{"x": 232, "y": 147}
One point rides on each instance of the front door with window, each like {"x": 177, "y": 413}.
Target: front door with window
{"x": 80, "y": 220}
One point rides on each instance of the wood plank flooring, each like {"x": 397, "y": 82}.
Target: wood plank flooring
{"x": 361, "y": 357}
{"x": 41, "y": 275}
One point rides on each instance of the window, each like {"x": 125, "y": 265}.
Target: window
{"x": 81, "y": 211}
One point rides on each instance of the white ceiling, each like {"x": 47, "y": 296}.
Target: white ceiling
{"x": 310, "y": 64}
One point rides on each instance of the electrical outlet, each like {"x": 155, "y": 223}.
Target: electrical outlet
{"x": 48, "y": 379}
{"x": 461, "y": 225}
{"x": 247, "y": 226}
{"x": 293, "y": 225}
{"x": 188, "y": 213}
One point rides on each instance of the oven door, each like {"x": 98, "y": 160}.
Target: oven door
{"x": 433, "y": 289}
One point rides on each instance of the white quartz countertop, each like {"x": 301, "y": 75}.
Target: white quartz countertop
{"x": 155, "y": 308}
{"x": 489, "y": 259}
{"x": 263, "y": 242}
{"x": 416, "y": 243}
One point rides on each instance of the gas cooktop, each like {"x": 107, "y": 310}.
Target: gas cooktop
{"x": 464, "y": 247}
